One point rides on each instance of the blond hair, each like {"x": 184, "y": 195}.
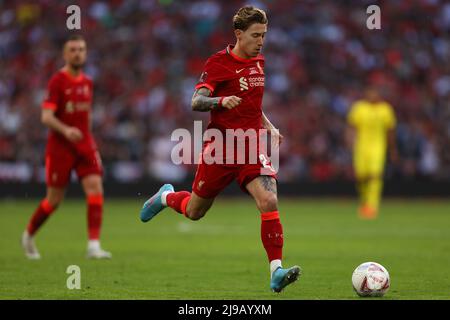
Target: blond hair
{"x": 246, "y": 16}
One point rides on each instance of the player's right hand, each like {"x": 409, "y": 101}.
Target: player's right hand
{"x": 231, "y": 102}
{"x": 73, "y": 134}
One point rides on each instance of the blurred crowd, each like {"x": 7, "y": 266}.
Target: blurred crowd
{"x": 145, "y": 57}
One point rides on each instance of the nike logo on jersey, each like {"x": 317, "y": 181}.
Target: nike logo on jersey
{"x": 237, "y": 71}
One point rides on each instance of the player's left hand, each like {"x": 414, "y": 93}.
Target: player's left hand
{"x": 231, "y": 102}
{"x": 73, "y": 134}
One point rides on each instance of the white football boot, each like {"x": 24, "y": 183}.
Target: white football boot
{"x": 94, "y": 251}
{"x": 31, "y": 252}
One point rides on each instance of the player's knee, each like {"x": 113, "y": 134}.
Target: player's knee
{"x": 268, "y": 202}
{"x": 94, "y": 188}
{"x": 92, "y": 184}
{"x": 55, "y": 200}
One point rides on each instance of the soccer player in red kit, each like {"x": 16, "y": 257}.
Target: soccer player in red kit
{"x": 231, "y": 88}
{"x": 66, "y": 111}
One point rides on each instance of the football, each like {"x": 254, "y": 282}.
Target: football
{"x": 370, "y": 279}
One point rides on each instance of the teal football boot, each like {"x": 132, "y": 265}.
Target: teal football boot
{"x": 283, "y": 277}
{"x": 154, "y": 205}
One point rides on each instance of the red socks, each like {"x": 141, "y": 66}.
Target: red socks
{"x": 272, "y": 235}
{"x": 94, "y": 215}
{"x": 39, "y": 216}
{"x": 271, "y": 228}
{"x": 178, "y": 201}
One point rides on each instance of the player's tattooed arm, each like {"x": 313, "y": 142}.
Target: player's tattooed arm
{"x": 201, "y": 100}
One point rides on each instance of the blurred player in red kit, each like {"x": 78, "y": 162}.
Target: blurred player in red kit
{"x": 66, "y": 111}
{"x": 231, "y": 88}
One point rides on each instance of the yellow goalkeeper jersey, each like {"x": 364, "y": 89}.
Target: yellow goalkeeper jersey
{"x": 372, "y": 122}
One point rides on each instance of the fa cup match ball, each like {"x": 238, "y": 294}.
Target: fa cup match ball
{"x": 370, "y": 279}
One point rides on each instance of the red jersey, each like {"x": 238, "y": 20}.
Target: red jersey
{"x": 226, "y": 74}
{"x": 71, "y": 99}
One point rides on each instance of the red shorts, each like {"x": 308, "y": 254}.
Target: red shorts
{"x": 211, "y": 179}
{"x": 59, "y": 165}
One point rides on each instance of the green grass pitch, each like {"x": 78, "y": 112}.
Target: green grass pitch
{"x": 221, "y": 255}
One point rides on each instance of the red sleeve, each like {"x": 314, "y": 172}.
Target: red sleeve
{"x": 53, "y": 94}
{"x": 213, "y": 74}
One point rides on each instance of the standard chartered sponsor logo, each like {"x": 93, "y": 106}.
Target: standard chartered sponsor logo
{"x": 256, "y": 81}
{"x": 251, "y": 82}
{"x": 243, "y": 83}
{"x": 77, "y": 106}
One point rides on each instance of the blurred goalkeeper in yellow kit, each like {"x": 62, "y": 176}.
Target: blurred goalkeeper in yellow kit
{"x": 371, "y": 131}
